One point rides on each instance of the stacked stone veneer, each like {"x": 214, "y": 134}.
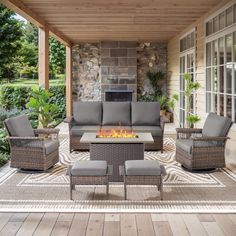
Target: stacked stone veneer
{"x": 115, "y": 65}
{"x": 119, "y": 67}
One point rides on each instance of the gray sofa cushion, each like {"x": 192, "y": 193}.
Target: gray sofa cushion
{"x": 87, "y": 113}
{"x": 89, "y": 168}
{"x": 145, "y": 113}
{"x": 79, "y": 130}
{"x": 142, "y": 167}
{"x": 116, "y": 113}
{"x": 216, "y": 125}
{"x": 19, "y": 126}
{"x": 49, "y": 145}
{"x": 108, "y": 127}
{"x": 187, "y": 144}
{"x": 154, "y": 130}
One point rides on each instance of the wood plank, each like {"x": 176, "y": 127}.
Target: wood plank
{"x": 30, "y": 224}
{"x": 79, "y": 224}
{"x": 206, "y": 218}
{"x": 19, "y": 217}
{"x": 193, "y": 224}
{"x": 61, "y": 228}
{"x": 11, "y": 228}
{"x": 226, "y": 224}
{"x": 212, "y": 229}
{"x": 111, "y": 228}
{"x": 95, "y": 225}
{"x": 144, "y": 225}
{"x": 46, "y": 225}
{"x": 128, "y": 225}
{"x": 159, "y": 217}
{"x": 4, "y": 217}
{"x": 65, "y": 217}
{"x": 162, "y": 228}
{"x": 112, "y": 217}
{"x": 178, "y": 227}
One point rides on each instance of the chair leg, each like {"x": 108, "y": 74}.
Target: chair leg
{"x": 107, "y": 190}
{"x": 161, "y": 188}
{"x": 125, "y": 191}
{"x": 71, "y": 191}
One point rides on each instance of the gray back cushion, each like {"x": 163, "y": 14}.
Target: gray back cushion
{"x": 145, "y": 113}
{"x": 216, "y": 125}
{"x": 87, "y": 113}
{"x": 19, "y": 126}
{"x": 116, "y": 113}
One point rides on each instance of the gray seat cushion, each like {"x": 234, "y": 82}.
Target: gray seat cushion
{"x": 187, "y": 144}
{"x": 142, "y": 167}
{"x": 108, "y": 127}
{"x": 145, "y": 113}
{"x": 154, "y": 130}
{"x": 87, "y": 113}
{"x": 89, "y": 168}
{"x": 49, "y": 145}
{"x": 116, "y": 113}
{"x": 216, "y": 125}
{"x": 79, "y": 130}
{"x": 19, "y": 126}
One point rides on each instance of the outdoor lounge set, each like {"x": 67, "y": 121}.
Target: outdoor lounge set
{"x": 196, "y": 149}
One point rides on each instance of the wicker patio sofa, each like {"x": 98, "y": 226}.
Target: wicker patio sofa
{"x": 29, "y": 147}
{"x": 138, "y": 116}
{"x": 202, "y": 149}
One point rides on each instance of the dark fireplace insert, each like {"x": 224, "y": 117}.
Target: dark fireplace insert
{"x": 118, "y": 95}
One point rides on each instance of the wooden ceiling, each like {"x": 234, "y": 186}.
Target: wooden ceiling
{"x": 97, "y": 20}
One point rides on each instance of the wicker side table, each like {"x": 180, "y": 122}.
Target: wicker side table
{"x": 89, "y": 179}
{"x": 143, "y": 179}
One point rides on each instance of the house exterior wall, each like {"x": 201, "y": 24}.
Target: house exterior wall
{"x": 173, "y": 65}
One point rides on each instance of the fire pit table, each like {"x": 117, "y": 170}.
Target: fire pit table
{"x": 117, "y": 150}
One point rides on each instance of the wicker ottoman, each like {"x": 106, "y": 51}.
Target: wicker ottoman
{"x": 89, "y": 173}
{"x": 142, "y": 172}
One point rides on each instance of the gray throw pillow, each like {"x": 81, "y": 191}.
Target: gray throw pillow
{"x": 87, "y": 113}
{"x": 116, "y": 113}
{"x": 146, "y": 113}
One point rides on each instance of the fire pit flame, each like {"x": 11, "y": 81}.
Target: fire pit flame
{"x": 116, "y": 133}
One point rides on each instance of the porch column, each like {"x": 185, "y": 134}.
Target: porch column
{"x": 43, "y": 67}
{"x": 68, "y": 81}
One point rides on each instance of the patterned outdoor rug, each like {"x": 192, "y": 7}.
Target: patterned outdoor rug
{"x": 183, "y": 191}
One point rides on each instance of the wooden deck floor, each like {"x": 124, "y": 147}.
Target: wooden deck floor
{"x": 43, "y": 224}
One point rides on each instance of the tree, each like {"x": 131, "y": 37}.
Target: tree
{"x": 10, "y": 35}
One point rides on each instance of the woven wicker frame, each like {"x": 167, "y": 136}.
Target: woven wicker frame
{"x": 116, "y": 154}
{"x": 33, "y": 158}
{"x": 89, "y": 180}
{"x": 141, "y": 180}
{"x": 201, "y": 158}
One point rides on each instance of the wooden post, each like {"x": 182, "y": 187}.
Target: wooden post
{"x": 43, "y": 68}
{"x": 68, "y": 81}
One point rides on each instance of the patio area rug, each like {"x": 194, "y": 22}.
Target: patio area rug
{"x": 183, "y": 191}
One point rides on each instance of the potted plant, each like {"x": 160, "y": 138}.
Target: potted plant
{"x": 190, "y": 88}
{"x": 156, "y": 81}
{"x": 40, "y": 105}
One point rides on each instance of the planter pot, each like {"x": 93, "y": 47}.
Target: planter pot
{"x": 162, "y": 113}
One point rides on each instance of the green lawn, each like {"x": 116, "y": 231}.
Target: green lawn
{"x": 31, "y": 82}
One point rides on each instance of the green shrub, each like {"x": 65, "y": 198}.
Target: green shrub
{"x": 3, "y": 159}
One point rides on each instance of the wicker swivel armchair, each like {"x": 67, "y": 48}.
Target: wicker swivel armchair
{"x": 203, "y": 149}
{"x": 29, "y": 147}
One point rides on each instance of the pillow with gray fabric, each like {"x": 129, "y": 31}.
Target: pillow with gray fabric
{"x": 87, "y": 113}
{"x": 145, "y": 113}
{"x": 116, "y": 113}
{"x": 216, "y": 125}
{"x": 19, "y": 126}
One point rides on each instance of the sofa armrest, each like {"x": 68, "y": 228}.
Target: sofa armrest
{"x": 186, "y": 133}
{"x": 162, "y": 124}
{"x": 21, "y": 141}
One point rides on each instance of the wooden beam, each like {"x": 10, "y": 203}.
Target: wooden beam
{"x": 18, "y": 7}
{"x": 68, "y": 81}
{"x": 43, "y": 68}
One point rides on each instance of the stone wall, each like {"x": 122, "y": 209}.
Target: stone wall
{"x": 150, "y": 57}
{"x": 86, "y": 82}
{"x": 115, "y": 65}
{"x": 119, "y": 67}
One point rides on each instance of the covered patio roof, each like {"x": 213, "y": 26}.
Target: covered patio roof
{"x": 74, "y": 21}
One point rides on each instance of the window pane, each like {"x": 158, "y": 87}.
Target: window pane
{"x": 234, "y": 13}
{"x": 181, "y": 83}
{"x": 181, "y": 45}
{"x": 215, "y": 51}
{"x": 234, "y": 109}
{"x": 229, "y": 48}
{"x": 209, "y": 27}
{"x": 208, "y": 54}
{"x": 222, "y": 20}
{"x": 229, "y": 79}
{"x": 221, "y": 51}
{"x": 221, "y": 79}
{"x": 188, "y": 39}
{"x": 208, "y": 79}
{"x": 215, "y": 101}
{"x": 215, "y": 80}
{"x": 229, "y": 16}
{"x": 208, "y": 102}
{"x": 229, "y": 106}
{"x": 215, "y": 24}
{"x": 182, "y": 100}
{"x": 192, "y": 39}
{"x": 234, "y": 47}
{"x": 222, "y": 105}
